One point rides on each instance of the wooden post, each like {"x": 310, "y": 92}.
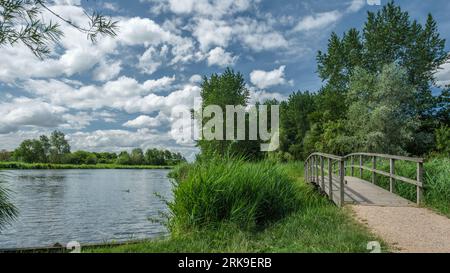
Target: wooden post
{"x": 306, "y": 171}
{"x": 419, "y": 181}
{"x": 341, "y": 182}
{"x": 317, "y": 171}
{"x": 391, "y": 174}
{"x": 322, "y": 174}
{"x": 374, "y": 166}
{"x": 330, "y": 179}
{"x": 352, "y": 169}
{"x": 360, "y": 166}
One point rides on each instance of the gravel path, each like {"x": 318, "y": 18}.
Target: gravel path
{"x": 407, "y": 229}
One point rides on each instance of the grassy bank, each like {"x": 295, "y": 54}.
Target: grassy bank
{"x": 252, "y": 207}
{"x": 436, "y": 180}
{"x": 38, "y": 166}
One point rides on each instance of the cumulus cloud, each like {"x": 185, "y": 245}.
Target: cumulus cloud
{"x": 107, "y": 70}
{"x": 218, "y": 56}
{"x": 152, "y": 59}
{"x": 263, "y": 79}
{"x": 144, "y": 121}
{"x": 442, "y": 76}
{"x": 215, "y": 8}
{"x": 26, "y": 112}
{"x": 318, "y": 21}
{"x": 212, "y": 33}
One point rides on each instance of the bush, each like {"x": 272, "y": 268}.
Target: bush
{"x": 250, "y": 195}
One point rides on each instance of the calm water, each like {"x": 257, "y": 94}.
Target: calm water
{"x": 87, "y": 206}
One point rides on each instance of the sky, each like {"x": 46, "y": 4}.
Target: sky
{"x": 121, "y": 93}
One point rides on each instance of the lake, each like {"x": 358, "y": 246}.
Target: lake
{"x": 88, "y": 206}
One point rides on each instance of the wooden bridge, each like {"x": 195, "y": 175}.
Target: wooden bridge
{"x": 335, "y": 175}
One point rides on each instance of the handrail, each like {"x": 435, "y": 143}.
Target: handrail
{"x": 405, "y": 158}
{"x": 315, "y": 173}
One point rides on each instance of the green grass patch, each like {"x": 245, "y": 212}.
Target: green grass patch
{"x": 39, "y": 166}
{"x": 252, "y": 207}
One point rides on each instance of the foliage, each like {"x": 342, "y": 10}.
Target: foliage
{"x": 21, "y": 21}
{"x": 250, "y": 195}
{"x": 56, "y": 150}
{"x": 381, "y": 116}
{"x": 443, "y": 139}
{"x": 8, "y": 211}
{"x": 377, "y": 92}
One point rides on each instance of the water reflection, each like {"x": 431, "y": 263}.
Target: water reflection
{"x": 84, "y": 205}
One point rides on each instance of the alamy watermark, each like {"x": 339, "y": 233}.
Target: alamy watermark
{"x": 232, "y": 123}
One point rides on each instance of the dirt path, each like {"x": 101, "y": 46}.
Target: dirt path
{"x": 407, "y": 229}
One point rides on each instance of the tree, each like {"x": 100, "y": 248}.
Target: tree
{"x": 389, "y": 36}
{"x": 45, "y": 142}
{"x": 59, "y": 147}
{"x": 21, "y": 21}
{"x": 124, "y": 158}
{"x": 295, "y": 121}
{"x": 381, "y": 117}
{"x": 137, "y": 157}
{"x": 221, "y": 90}
{"x": 5, "y": 155}
{"x": 30, "y": 151}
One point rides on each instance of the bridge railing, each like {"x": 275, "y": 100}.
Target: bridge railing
{"x": 335, "y": 170}
{"x": 418, "y": 182}
{"x": 315, "y": 172}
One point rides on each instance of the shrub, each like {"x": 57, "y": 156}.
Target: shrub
{"x": 250, "y": 195}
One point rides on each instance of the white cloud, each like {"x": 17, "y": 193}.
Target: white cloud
{"x": 196, "y": 78}
{"x": 152, "y": 59}
{"x": 107, "y": 70}
{"x": 26, "y": 112}
{"x": 212, "y": 33}
{"x": 258, "y": 35}
{"x": 215, "y": 8}
{"x": 356, "y": 5}
{"x": 263, "y": 79}
{"x": 218, "y": 56}
{"x": 144, "y": 121}
{"x": 442, "y": 76}
{"x": 318, "y": 21}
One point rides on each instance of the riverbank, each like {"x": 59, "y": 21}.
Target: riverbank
{"x": 315, "y": 226}
{"x": 47, "y": 166}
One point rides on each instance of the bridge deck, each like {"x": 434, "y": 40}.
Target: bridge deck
{"x": 358, "y": 191}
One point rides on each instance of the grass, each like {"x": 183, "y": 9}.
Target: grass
{"x": 436, "y": 180}
{"x": 26, "y": 166}
{"x": 230, "y": 218}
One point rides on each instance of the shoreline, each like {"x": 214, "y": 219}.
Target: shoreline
{"x": 50, "y": 166}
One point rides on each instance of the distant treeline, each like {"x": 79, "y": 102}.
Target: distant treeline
{"x": 56, "y": 150}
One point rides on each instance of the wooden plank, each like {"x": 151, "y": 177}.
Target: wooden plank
{"x": 419, "y": 182}
{"x": 358, "y": 191}
{"x": 391, "y": 173}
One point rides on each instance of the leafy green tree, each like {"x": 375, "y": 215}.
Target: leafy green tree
{"x": 295, "y": 121}
{"x": 30, "y": 151}
{"x": 124, "y": 158}
{"x": 381, "y": 117}
{"x": 227, "y": 88}
{"x": 5, "y": 155}
{"x": 21, "y": 21}
{"x": 45, "y": 142}
{"x": 59, "y": 147}
{"x": 137, "y": 157}
{"x": 443, "y": 139}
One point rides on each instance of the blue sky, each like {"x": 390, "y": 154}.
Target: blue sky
{"x": 120, "y": 93}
